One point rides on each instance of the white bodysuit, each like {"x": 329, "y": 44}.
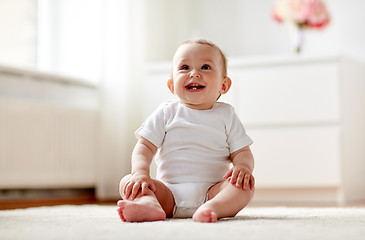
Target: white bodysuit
{"x": 194, "y": 148}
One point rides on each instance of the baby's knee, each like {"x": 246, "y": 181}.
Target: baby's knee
{"x": 246, "y": 194}
{"x": 251, "y": 192}
{"x": 122, "y": 183}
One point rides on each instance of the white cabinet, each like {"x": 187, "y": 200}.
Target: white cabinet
{"x": 306, "y": 116}
{"x": 297, "y": 156}
{"x": 294, "y": 93}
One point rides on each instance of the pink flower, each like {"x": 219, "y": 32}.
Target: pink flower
{"x": 304, "y": 13}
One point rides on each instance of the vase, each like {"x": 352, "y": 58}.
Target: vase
{"x": 297, "y": 39}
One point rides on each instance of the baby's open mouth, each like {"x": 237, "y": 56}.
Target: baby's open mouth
{"x": 194, "y": 87}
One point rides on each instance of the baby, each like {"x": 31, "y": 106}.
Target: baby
{"x": 204, "y": 162}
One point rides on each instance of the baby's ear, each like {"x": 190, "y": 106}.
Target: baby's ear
{"x": 170, "y": 85}
{"x": 226, "y": 85}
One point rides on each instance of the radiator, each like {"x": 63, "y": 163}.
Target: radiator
{"x": 46, "y": 145}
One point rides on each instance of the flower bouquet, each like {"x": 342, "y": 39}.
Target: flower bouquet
{"x": 305, "y": 14}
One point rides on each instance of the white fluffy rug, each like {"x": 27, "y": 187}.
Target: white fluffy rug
{"x": 102, "y": 222}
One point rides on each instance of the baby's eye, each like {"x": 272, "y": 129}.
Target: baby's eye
{"x": 206, "y": 67}
{"x": 184, "y": 67}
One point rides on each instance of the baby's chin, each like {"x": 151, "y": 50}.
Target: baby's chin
{"x": 198, "y": 106}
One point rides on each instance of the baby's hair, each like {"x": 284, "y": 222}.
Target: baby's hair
{"x": 211, "y": 44}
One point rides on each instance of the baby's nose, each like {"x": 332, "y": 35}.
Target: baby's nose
{"x": 194, "y": 75}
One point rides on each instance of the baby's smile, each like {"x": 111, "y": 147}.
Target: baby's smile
{"x": 194, "y": 87}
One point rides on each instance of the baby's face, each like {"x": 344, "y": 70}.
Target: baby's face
{"x": 197, "y": 76}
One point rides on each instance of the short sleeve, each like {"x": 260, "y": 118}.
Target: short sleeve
{"x": 237, "y": 137}
{"x": 154, "y": 128}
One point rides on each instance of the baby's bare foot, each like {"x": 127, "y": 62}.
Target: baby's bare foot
{"x": 204, "y": 215}
{"x": 130, "y": 211}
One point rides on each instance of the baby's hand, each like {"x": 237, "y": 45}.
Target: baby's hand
{"x": 241, "y": 177}
{"x": 139, "y": 181}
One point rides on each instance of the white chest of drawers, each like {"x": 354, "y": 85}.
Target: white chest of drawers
{"x": 306, "y": 116}
{"x": 307, "y": 119}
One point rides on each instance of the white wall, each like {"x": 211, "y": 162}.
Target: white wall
{"x": 18, "y": 32}
{"x": 246, "y": 28}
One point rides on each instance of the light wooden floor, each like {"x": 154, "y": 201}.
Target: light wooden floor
{"x": 38, "y": 202}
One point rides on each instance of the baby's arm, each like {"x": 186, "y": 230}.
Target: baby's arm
{"x": 141, "y": 160}
{"x": 241, "y": 173}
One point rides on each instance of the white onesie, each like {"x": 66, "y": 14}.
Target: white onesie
{"x": 194, "y": 148}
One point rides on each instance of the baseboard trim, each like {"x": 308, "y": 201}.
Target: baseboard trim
{"x": 299, "y": 195}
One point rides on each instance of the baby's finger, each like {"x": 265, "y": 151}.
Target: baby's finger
{"x": 144, "y": 188}
{"x": 127, "y": 190}
{"x": 152, "y": 186}
{"x": 228, "y": 174}
{"x": 135, "y": 190}
{"x": 246, "y": 181}
{"x": 239, "y": 180}
{"x": 252, "y": 182}
{"x": 233, "y": 177}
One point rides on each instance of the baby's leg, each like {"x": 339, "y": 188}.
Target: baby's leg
{"x": 225, "y": 200}
{"x": 154, "y": 206}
